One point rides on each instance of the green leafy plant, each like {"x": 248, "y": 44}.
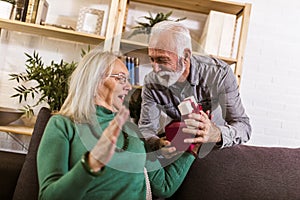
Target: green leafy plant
{"x": 52, "y": 82}
{"x": 10, "y": 1}
{"x": 83, "y": 52}
{"x": 145, "y": 27}
{"x": 28, "y": 111}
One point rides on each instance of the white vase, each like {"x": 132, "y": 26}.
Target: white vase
{"x": 5, "y": 9}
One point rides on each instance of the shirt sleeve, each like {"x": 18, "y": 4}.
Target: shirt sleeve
{"x": 55, "y": 177}
{"x": 237, "y": 128}
{"x": 150, "y": 114}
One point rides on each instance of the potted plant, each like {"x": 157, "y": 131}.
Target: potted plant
{"x": 145, "y": 27}
{"x": 6, "y": 8}
{"x": 10, "y": 1}
{"x": 51, "y": 83}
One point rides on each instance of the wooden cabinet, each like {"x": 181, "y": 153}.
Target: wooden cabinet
{"x": 116, "y": 18}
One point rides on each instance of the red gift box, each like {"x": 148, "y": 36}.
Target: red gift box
{"x": 174, "y": 129}
{"x": 176, "y": 136}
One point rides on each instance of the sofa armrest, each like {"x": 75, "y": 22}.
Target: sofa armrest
{"x": 10, "y": 166}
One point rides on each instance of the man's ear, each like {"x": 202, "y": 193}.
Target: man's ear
{"x": 187, "y": 54}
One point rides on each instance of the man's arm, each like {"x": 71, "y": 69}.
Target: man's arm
{"x": 150, "y": 124}
{"x": 150, "y": 114}
{"x": 237, "y": 129}
{"x": 234, "y": 127}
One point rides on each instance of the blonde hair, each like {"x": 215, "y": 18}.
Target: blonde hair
{"x": 91, "y": 71}
{"x": 170, "y": 36}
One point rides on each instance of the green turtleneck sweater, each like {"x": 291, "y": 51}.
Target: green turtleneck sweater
{"x": 62, "y": 175}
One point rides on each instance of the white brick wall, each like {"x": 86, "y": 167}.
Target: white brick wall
{"x": 270, "y": 80}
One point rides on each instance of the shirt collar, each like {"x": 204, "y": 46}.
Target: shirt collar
{"x": 193, "y": 77}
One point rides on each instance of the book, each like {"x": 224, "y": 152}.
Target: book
{"x": 21, "y": 10}
{"x": 218, "y": 34}
{"x": 42, "y": 12}
{"x": 32, "y": 11}
{"x": 136, "y": 71}
{"x": 131, "y": 71}
{"x": 130, "y": 66}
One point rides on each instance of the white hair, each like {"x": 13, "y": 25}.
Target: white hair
{"x": 170, "y": 36}
{"x": 91, "y": 71}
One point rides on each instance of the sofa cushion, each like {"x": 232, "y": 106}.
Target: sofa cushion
{"x": 244, "y": 172}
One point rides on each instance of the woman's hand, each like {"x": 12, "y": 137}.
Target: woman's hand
{"x": 103, "y": 151}
{"x": 163, "y": 146}
{"x": 166, "y": 148}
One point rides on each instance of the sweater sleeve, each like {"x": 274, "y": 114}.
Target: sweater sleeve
{"x": 56, "y": 179}
{"x": 165, "y": 180}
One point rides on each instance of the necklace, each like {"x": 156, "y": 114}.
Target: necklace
{"x": 125, "y": 143}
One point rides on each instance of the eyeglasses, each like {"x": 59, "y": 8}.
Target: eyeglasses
{"x": 120, "y": 77}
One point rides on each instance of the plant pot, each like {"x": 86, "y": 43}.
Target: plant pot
{"x": 6, "y": 9}
{"x": 141, "y": 37}
{"x": 29, "y": 121}
{"x": 9, "y": 115}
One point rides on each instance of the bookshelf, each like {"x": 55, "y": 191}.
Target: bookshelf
{"x": 240, "y": 10}
{"x": 117, "y": 17}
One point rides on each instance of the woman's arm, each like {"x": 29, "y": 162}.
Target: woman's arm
{"x": 56, "y": 179}
{"x": 165, "y": 180}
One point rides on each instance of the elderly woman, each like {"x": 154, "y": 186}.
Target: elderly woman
{"x": 90, "y": 151}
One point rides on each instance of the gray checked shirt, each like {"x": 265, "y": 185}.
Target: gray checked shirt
{"x": 213, "y": 84}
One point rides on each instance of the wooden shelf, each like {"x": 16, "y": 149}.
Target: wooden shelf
{"x": 18, "y": 129}
{"x": 133, "y": 44}
{"x": 199, "y": 6}
{"x": 230, "y": 61}
{"x": 49, "y": 31}
{"x": 137, "y": 86}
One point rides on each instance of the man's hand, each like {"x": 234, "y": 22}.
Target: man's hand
{"x": 203, "y": 128}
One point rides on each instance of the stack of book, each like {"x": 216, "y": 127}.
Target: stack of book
{"x": 31, "y": 11}
{"x": 132, "y": 64}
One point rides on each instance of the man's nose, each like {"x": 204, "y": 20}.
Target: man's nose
{"x": 155, "y": 67}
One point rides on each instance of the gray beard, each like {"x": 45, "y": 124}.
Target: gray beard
{"x": 167, "y": 78}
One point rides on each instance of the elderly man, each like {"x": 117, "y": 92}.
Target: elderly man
{"x": 176, "y": 75}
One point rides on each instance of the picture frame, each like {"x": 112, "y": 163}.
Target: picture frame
{"x": 90, "y": 20}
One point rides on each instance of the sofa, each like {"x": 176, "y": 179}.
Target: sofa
{"x": 18, "y": 171}
{"x": 240, "y": 172}
{"x": 244, "y": 173}
{"x": 10, "y": 167}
